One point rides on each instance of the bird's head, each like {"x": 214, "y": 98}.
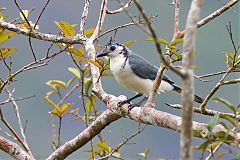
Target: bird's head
{"x": 114, "y": 49}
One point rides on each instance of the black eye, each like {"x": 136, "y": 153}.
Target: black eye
{"x": 112, "y": 48}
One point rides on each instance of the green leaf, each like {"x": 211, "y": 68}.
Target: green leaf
{"x": 212, "y": 123}
{"x": 203, "y": 146}
{"x": 103, "y": 146}
{"x": 91, "y": 102}
{"x": 129, "y": 43}
{"x": 229, "y": 119}
{"x": 224, "y": 125}
{"x": 223, "y": 136}
{"x": 220, "y": 155}
{"x": 56, "y": 84}
{"x": 74, "y": 71}
{"x": 4, "y": 52}
{"x": 229, "y": 55}
{"x": 226, "y": 103}
{"x": 177, "y": 41}
{"x": 25, "y": 12}
{"x": 87, "y": 84}
{"x": 66, "y": 28}
{"x": 161, "y": 40}
{"x": 5, "y": 36}
{"x": 89, "y": 32}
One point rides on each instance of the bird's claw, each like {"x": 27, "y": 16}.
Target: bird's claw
{"x": 131, "y": 106}
{"x": 122, "y": 103}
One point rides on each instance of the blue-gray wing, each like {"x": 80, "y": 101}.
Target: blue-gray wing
{"x": 142, "y": 68}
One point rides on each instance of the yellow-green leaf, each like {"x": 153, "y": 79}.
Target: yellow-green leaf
{"x": 89, "y": 32}
{"x": 87, "y": 84}
{"x": 5, "y": 36}
{"x": 74, "y": 71}
{"x": 75, "y": 51}
{"x": 25, "y": 12}
{"x": 55, "y": 112}
{"x": 90, "y": 103}
{"x": 95, "y": 63}
{"x": 70, "y": 112}
{"x": 129, "y": 43}
{"x": 52, "y": 103}
{"x": 176, "y": 41}
{"x": 65, "y": 107}
{"x": 1, "y": 30}
{"x": 66, "y": 28}
{"x": 4, "y": 52}
{"x": 103, "y": 146}
{"x": 56, "y": 84}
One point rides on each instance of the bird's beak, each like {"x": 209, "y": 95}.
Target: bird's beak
{"x": 102, "y": 54}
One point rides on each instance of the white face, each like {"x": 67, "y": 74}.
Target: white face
{"x": 114, "y": 51}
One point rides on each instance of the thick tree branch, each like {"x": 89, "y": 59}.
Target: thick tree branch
{"x": 14, "y": 150}
{"x": 188, "y": 80}
{"x": 144, "y": 115}
{"x": 80, "y": 140}
{"x": 41, "y": 36}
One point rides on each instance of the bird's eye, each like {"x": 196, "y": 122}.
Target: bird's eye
{"x": 112, "y": 48}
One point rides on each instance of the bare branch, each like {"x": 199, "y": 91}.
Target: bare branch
{"x": 100, "y": 21}
{"x": 188, "y": 80}
{"x": 14, "y": 150}
{"x": 16, "y": 110}
{"x": 41, "y": 36}
{"x": 84, "y": 16}
{"x": 139, "y": 114}
{"x": 120, "y": 9}
{"x": 215, "y": 14}
{"x": 41, "y": 13}
{"x": 208, "y": 112}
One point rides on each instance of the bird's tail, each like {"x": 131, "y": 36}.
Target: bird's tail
{"x": 179, "y": 90}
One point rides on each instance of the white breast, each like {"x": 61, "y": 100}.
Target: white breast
{"x": 125, "y": 76}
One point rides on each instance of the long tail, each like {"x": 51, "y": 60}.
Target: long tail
{"x": 179, "y": 90}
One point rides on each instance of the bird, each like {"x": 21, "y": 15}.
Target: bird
{"x": 135, "y": 73}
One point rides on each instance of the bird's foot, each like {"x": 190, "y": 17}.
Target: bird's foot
{"x": 131, "y": 106}
{"x": 124, "y": 102}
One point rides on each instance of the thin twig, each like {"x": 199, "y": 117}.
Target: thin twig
{"x": 157, "y": 44}
{"x": 142, "y": 21}
{"x": 121, "y": 8}
{"x": 16, "y": 110}
{"x": 123, "y": 142}
{"x": 41, "y": 13}
{"x": 17, "y": 99}
{"x": 5, "y": 122}
{"x": 214, "y": 151}
{"x": 18, "y": 18}
{"x": 207, "y": 112}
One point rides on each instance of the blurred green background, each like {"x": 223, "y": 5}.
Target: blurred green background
{"x": 212, "y": 41}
